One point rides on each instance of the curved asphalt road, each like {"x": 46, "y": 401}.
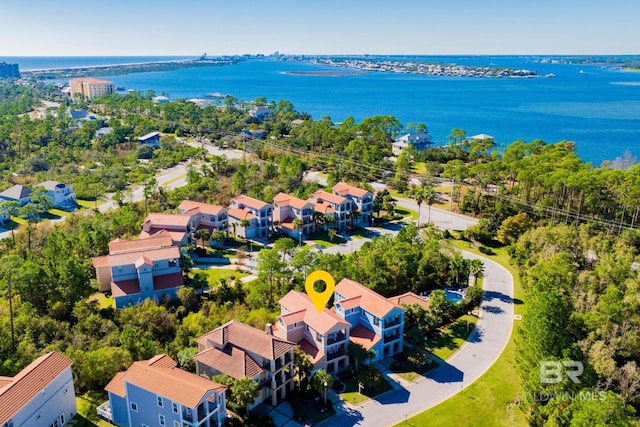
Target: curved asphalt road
{"x": 474, "y": 358}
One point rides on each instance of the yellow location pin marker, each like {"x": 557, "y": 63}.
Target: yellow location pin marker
{"x": 319, "y": 299}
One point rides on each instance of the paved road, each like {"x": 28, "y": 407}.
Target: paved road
{"x": 474, "y": 358}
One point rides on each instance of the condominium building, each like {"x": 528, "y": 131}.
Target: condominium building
{"x": 322, "y": 335}
{"x": 42, "y": 394}
{"x": 257, "y": 214}
{"x": 286, "y": 208}
{"x": 90, "y": 87}
{"x": 362, "y": 202}
{"x": 241, "y": 351}
{"x": 156, "y": 393}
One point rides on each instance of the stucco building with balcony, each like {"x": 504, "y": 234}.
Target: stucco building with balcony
{"x": 241, "y": 351}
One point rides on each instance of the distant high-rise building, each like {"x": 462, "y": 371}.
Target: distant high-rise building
{"x": 9, "y": 70}
{"x": 90, "y": 87}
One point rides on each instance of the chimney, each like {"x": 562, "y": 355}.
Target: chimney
{"x": 225, "y": 335}
{"x": 269, "y": 328}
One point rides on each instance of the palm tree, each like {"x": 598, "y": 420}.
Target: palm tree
{"x": 218, "y": 236}
{"x": 147, "y": 191}
{"x": 298, "y": 224}
{"x": 429, "y": 194}
{"x": 458, "y": 265}
{"x": 321, "y": 381}
{"x": 303, "y": 366}
{"x": 244, "y": 392}
{"x": 244, "y": 224}
{"x": 476, "y": 267}
{"x": 418, "y": 195}
{"x": 356, "y": 352}
{"x": 203, "y": 234}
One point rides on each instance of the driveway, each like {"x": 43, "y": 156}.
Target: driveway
{"x": 473, "y": 359}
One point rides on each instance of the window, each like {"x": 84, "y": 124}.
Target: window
{"x": 175, "y": 407}
{"x": 160, "y": 402}
{"x": 176, "y": 424}
{"x": 161, "y": 420}
{"x": 172, "y": 263}
{"x": 134, "y": 407}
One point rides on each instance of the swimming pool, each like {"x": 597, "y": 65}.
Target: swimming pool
{"x": 452, "y": 296}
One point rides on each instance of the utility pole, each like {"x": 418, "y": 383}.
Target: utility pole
{"x": 13, "y": 338}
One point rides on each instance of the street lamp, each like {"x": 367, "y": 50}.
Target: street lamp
{"x": 325, "y": 393}
{"x": 468, "y": 316}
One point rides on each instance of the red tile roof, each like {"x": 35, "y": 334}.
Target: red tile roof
{"x": 29, "y": 382}
{"x": 132, "y": 286}
{"x": 342, "y": 188}
{"x": 321, "y": 321}
{"x": 158, "y": 220}
{"x": 158, "y": 240}
{"x": 286, "y": 199}
{"x": 322, "y": 195}
{"x": 176, "y": 236}
{"x": 234, "y": 362}
{"x": 127, "y": 258}
{"x": 189, "y": 207}
{"x": 364, "y": 337}
{"x": 324, "y": 208}
{"x": 314, "y": 352}
{"x": 250, "y": 202}
{"x": 371, "y": 301}
{"x": 241, "y": 214}
{"x": 248, "y": 338}
{"x": 409, "y": 298}
{"x": 167, "y": 381}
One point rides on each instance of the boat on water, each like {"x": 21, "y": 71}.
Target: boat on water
{"x": 550, "y": 75}
{"x": 203, "y": 56}
{"x": 217, "y": 95}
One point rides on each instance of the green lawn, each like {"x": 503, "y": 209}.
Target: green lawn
{"x": 490, "y": 400}
{"x": 407, "y": 212}
{"x": 103, "y": 300}
{"x": 89, "y": 204}
{"x": 87, "y": 404}
{"x": 322, "y": 238}
{"x": 420, "y": 168}
{"x": 406, "y": 370}
{"x": 451, "y": 337}
{"x": 351, "y": 394}
{"x": 215, "y": 274}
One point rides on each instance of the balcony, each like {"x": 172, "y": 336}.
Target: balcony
{"x": 104, "y": 411}
{"x": 336, "y": 338}
{"x": 265, "y": 383}
{"x": 278, "y": 364}
{"x": 187, "y": 415}
{"x": 287, "y": 358}
{"x": 389, "y": 323}
{"x": 391, "y": 337}
{"x": 336, "y": 354}
{"x": 266, "y": 365}
{"x": 278, "y": 381}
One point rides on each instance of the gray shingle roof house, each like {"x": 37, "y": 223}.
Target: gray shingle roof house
{"x": 17, "y": 193}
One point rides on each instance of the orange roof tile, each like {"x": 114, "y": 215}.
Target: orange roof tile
{"x": 322, "y": 195}
{"x": 170, "y": 382}
{"x": 132, "y": 286}
{"x": 292, "y": 318}
{"x": 321, "y": 321}
{"x": 241, "y": 214}
{"x": 176, "y": 236}
{"x": 29, "y": 382}
{"x": 324, "y": 208}
{"x": 286, "y": 199}
{"x": 156, "y": 241}
{"x": 351, "y": 302}
{"x": 343, "y": 188}
{"x": 364, "y": 337}
{"x": 142, "y": 261}
{"x": 235, "y": 362}
{"x": 190, "y": 207}
{"x": 248, "y": 338}
{"x": 171, "y": 252}
{"x": 409, "y": 298}
{"x": 101, "y": 261}
{"x": 90, "y": 80}
{"x": 314, "y": 352}
{"x": 158, "y": 220}
{"x": 371, "y": 301}
{"x": 249, "y": 201}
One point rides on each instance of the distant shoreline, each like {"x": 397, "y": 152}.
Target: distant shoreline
{"x": 324, "y": 73}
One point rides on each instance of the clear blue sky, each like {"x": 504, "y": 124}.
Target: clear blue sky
{"x": 190, "y": 27}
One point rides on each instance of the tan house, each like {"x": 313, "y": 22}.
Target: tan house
{"x": 258, "y": 213}
{"x": 331, "y": 204}
{"x": 205, "y": 215}
{"x": 138, "y": 269}
{"x": 362, "y": 201}
{"x": 321, "y": 334}
{"x": 241, "y": 351}
{"x": 286, "y": 208}
{"x": 178, "y": 226}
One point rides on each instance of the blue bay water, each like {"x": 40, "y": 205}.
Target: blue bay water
{"x": 597, "y": 108}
